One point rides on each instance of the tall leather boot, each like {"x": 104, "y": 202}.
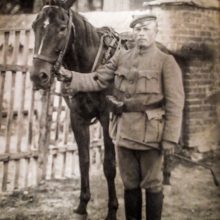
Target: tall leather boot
{"x": 133, "y": 204}
{"x": 154, "y": 204}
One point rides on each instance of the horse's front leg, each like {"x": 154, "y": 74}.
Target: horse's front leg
{"x": 109, "y": 169}
{"x": 81, "y": 132}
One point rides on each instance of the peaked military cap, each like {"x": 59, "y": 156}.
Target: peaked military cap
{"x": 142, "y": 18}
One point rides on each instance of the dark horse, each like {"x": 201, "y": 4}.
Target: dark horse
{"x": 65, "y": 37}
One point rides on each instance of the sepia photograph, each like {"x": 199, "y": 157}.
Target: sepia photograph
{"x": 109, "y": 110}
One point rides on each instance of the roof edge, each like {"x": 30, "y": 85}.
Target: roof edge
{"x": 214, "y": 5}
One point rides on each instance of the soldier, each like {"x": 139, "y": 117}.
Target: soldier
{"x": 147, "y": 107}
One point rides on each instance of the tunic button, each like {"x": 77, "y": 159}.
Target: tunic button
{"x": 131, "y": 81}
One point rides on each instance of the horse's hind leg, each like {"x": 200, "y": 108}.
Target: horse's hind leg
{"x": 109, "y": 169}
{"x": 81, "y": 132}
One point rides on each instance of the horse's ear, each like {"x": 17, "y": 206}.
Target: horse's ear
{"x": 63, "y": 3}
{"x": 49, "y": 2}
{"x": 44, "y": 2}
{"x": 69, "y": 3}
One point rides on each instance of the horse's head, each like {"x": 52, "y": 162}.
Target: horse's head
{"x": 52, "y": 29}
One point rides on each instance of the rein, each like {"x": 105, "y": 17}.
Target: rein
{"x": 107, "y": 54}
{"x": 95, "y": 64}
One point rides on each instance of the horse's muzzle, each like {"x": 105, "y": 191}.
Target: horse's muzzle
{"x": 44, "y": 78}
{"x": 40, "y": 81}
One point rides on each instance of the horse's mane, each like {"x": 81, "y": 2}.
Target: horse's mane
{"x": 88, "y": 37}
{"x": 84, "y": 28}
{"x": 89, "y": 30}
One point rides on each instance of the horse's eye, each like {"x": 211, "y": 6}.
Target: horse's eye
{"x": 33, "y": 25}
{"x": 62, "y": 28}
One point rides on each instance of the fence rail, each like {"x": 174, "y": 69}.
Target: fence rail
{"x": 36, "y": 140}
{"x": 18, "y": 112}
{"x": 14, "y": 68}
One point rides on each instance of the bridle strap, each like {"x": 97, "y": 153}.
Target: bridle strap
{"x": 59, "y": 60}
{"x": 44, "y": 58}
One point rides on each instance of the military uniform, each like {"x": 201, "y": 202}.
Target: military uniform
{"x": 141, "y": 78}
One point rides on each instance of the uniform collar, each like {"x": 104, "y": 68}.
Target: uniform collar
{"x": 143, "y": 51}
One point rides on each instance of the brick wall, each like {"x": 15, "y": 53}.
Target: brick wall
{"x": 193, "y": 34}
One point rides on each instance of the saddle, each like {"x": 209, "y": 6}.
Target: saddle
{"x": 111, "y": 42}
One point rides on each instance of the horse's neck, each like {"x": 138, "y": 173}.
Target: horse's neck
{"x": 84, "y": 47}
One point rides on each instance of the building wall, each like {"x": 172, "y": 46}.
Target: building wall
{"x": 116, "y": 5}
{"x": 193, "y": 34}
{"x": 121, "y": 5}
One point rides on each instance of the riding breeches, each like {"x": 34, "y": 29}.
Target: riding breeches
{"x": 140, "y": 168}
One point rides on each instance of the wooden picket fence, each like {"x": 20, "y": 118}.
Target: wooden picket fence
{"x": 36, "y": 141}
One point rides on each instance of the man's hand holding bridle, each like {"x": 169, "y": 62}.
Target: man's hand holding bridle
{"x": 64, "y": 75}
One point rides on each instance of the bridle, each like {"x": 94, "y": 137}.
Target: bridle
{"x": 59, "y": 61}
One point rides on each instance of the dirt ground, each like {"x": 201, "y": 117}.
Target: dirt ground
{"x": 191, "y": 196}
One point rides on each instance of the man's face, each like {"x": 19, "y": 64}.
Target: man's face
{"x": 145, "y": 33}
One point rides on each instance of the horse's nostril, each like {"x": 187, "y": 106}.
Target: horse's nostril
{"x": 44, "y": 77}
{"x": 35, "y": 88}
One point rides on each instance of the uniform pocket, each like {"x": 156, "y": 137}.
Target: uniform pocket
{"x": 154, "y": 125}
{"x": 148, "y": 82}
{"x": 133, "y": 125}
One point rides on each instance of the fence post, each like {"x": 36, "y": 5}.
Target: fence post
{"x": 44, "y": 135}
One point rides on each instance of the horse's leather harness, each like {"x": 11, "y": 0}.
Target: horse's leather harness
{"x": 106, "y": 34}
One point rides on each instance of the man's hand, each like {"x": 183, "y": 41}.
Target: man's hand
{"x": 115, "y": 105}
{"x": 64, "y": 75}
{"x": 168, "y": 148}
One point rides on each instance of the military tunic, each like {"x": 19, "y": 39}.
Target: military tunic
{"x": 140, "y": 78}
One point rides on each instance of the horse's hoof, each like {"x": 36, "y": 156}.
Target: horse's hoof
{"x": 80, "y": 217}
{"x": 111, "y": 217}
